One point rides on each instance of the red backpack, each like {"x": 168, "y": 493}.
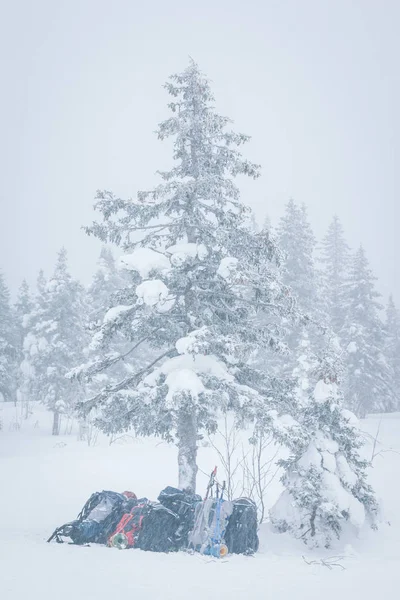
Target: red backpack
{"x": 126, "y": 533}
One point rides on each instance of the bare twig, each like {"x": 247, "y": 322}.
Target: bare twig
{"x": 329, "y": 563}
{"x": 230, "y": 444}
{"x": 376, "y": 441}
{"x": 122, "y": 437}
{"x": 257, "y": 472}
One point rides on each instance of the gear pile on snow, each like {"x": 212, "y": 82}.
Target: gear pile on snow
{"x": 179, "y": 520}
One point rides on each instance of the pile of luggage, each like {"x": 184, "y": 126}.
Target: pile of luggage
{"x": 179, "y": 520}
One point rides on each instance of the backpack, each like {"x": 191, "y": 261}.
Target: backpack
{"x": 182, "y": 503}
{"x": 241, "y": 532}
{"x": 211, "y": 519}
{"x": 127, "y": 532}
{"x": 159, "y": 532}
{"x": 97, "y": 519}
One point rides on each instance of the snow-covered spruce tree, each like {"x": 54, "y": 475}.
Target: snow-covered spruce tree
{"x": 23, "y": 307}
{"x": 8, "y": 345}
{"x": 368, "y": 381}
{"x": 267, "y": 226}
{"x": 28, "y": 320}
{"x": 106, "y": 282}
{"x": 392, "y": 347}
{"x": 199, "y": 282}
{"x": 54, "y": 341}
{"x": 326, "y": 490}
{"x": 253, "y": 225}
{"x": 335, "y": 261}
{"x": 103, "y": 295}
{"x": 107, "y": 356}
{"x": 296, "y": 240}
{"x": 41, "y": 284}
{"x": 304, "y": 372}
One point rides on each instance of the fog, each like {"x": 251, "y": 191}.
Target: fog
{"x": 316, "y": 85}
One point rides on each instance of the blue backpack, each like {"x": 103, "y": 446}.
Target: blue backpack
{"x": 97, "y": 519}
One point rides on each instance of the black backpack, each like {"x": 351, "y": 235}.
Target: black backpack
{"x": 159, "y": 531}
{"x": 241, "y": 533}
{"x": 97, "y": 519}
{"x": 182, "y": 503}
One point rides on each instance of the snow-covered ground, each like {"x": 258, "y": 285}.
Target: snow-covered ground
{"x": 44, "y": 481}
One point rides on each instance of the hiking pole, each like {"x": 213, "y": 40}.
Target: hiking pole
{"x": 216, "y": 540}
{"x": 223, "y": 488}
{"x": 219, "y": 549}
{"x": 223, "y": 548}
{"x": 211, "y": 482}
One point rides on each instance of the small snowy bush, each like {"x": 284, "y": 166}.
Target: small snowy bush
{"x": 325, "y": 477}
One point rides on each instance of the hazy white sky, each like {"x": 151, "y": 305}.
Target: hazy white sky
{"x": 315, "y": 82}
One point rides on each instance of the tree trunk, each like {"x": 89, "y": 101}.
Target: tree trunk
{"x": 187, "y": 449}
{"x": 83, "y": 430}
{"x": 56, "y": 423}
{"x": 26, "y": 408}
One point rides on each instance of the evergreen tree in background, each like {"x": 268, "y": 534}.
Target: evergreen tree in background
{"x": 27, "y": 390}
{"x": 368, "y": 384}
{"x": 54, "y": 342}
{"x": 324, "y": 478}
{"x": 297, "y": 242}
{"x": 106, "y": 282}
{"x": 8, "y": 345}
{"x": 267, "y": 224}
{"x": 335, "y": 261}
{"x": 253, "y": 225}
{"x": 392, "y": 347}
{"x": 41, "y": 284}
{"x": 201, "y": 283}
{"x": 23, "y": 307}
{"x": 304, "y": 371}
{"x": 107, "y": 357}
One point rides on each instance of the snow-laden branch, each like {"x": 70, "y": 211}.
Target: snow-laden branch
{"x": 125, "y": 383}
